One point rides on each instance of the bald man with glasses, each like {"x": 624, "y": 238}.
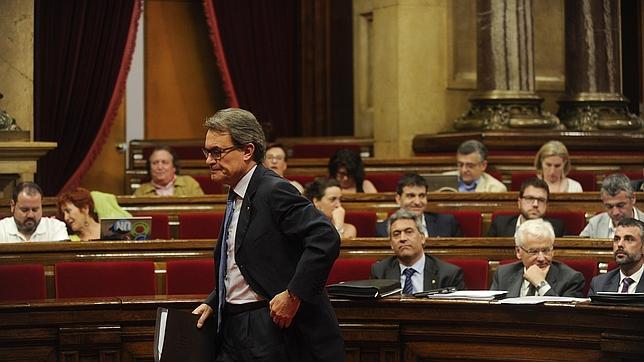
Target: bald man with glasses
{"x": 536, "y": 274}
{"x": 532, "y": 203}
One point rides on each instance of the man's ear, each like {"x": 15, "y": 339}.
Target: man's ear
{"x": 249, "y": 150}
{"x": 517, "y": 250}
{"x": 13, "y": 206}
{"x": 484, "y": 165}
{"x": 398, "y": 199}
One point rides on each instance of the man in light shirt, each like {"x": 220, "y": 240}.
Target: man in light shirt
{"x": 536, "y": 274}
{"x": 619, "y": 200}
{"x": 471, "y": 163}
{"x": 26, "y": 222}
{"x": 629, "y": 256}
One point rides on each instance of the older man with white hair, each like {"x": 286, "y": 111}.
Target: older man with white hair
{"x": 536, "y": 273}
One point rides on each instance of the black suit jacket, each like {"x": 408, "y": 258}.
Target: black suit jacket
{"x": 283, "y": 242}
{"x": 609, "y": 282}
{"x": 444, "y": 225}
{"x": 564, "y": 281}
{"x": 506, "y": 225}
{"x": 438, "y": 274}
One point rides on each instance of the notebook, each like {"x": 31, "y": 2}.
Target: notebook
{"x": 440, "y": 182}
{"x": 126, "y": 228}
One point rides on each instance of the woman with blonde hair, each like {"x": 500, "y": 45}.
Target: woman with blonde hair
{"x": 552, "y": 164}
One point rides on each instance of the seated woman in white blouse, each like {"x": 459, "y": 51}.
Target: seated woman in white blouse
{"x": 552, "y": 164}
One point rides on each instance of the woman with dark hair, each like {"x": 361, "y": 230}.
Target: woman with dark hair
{"x": 346, "y": 167}
{"x": 326, "y": 197}
{"x": 76, "y": 208}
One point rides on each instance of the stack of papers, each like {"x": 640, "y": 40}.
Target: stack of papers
{"x": 541, "y": 299}
{"x": 470, "y": 295}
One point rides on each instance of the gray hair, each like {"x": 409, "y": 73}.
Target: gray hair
{"x": 616, "y": 183}
{"x": 538, "y": 228}
{"x": 471, "y": 146}
{"x": 242, "y": 127}
{"x": 404, "y": 215}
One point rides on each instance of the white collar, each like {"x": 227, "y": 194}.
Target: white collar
{"x": 418, "y": 266}
{"x": 242, "y": 185}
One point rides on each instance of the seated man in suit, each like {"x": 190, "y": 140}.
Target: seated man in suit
{"x": 536, "y": 273}
{"x": 619, "y": 200}
{"x": 628, "y": 249}
{"x": 532, "y": 202}
{"x": 471, "y": 163}
{"x": 411, "y": 195}
{"x": 416, "y": 270}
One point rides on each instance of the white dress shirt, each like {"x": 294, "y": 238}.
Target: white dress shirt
{"x": 237, "y": 289}
{"x": 637, "y": 276}
{"x": 418, "y": 277}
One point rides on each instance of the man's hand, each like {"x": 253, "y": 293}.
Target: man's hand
{"x": 283, "y": 308}
{"x": 535, "y": 275}
{"x": 205, "y": 311}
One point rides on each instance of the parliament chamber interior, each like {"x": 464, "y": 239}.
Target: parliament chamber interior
{"x": 402, "y": 85}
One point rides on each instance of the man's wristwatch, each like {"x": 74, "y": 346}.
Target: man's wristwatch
{"x": 542, "y": 284}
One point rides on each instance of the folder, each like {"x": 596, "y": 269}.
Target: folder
{"x": 177, "y": 338}
{"x": 369, "y": 288}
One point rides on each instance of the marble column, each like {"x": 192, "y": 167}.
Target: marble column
{"x": 593, "y": 98}
{"x": 505, "y": 97}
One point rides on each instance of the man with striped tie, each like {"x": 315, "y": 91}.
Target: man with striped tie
{"x": 629, "y": 256}
{"x": 416, "y": 270}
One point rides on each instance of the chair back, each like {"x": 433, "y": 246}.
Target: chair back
{"x": 345, "y": 270}
{"x": 209, "y": 186}
{"x": 470, "y": 222}
{"x": 22, "y": 281}
{"x": 364, "y": 221}
{"x": 384, "y": 181}
{"x": 105, "y": 279}
{"x": 160, "y": 225}
{"x": 200, "y": 225}
{"x": 475, "y": 272}
{"x": 588, "y": 267}
{"x": 190, "y": 276}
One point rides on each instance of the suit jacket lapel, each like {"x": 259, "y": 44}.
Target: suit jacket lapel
{"x": 393, "y": 270}
{"x": 431, "y": 274}
{"x": 515, "y": 282}
{"x": 245, "y": 214}
{"x": 551, "y": 277}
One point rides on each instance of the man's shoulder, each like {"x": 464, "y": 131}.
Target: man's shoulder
{"x": 599, "y": 217}
{"x": 605, "y": 277}
{"x": 510, "y": 268}
{"x": 564, "y": 269}
{"x": 183, "y": 180}
{"x": 50, "y": 222}
{"x": 439, "y": 217}
{"x": 504, "y": 218}
{"x": 382, "y": 265}
{"x": 440, "y": 264}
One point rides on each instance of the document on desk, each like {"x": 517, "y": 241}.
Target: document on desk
{"x": 470, "y": 295}
{"x": 542, "y": 299}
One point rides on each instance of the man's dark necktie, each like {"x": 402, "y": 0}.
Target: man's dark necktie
{"x": 627, "y": 283}
{"x": 223, "y": 256}
{"x": 531, "y": 291}
{"x": 408, "y": 288}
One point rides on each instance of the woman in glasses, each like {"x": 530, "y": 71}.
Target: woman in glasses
{"x": 346, "y": 167}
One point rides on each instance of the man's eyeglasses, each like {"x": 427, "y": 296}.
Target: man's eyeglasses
{"x": 532, "y": 199}
{"x": 467, "y": 165}
{"x": 535, "y": 252}
{"x": 216, "y": 153}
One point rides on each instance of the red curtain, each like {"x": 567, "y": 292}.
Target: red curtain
{"x": 255, "y": 44}
{"x": 83, "y": 51}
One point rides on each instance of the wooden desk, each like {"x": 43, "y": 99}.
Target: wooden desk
{"x": 160, "y": 251}
{"x": 392, "y": 329}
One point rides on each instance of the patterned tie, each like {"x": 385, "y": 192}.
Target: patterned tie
{"x": 627, "y": 283}
{"x": 532, "y": 291}
{"x": 408, "y": 288}
{"x": 223, "y": 256}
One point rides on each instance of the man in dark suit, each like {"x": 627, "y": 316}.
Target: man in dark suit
{"x": 273, "y": 256}
{"x": 411, "y": 195}
{"x": 416, "y": 270}
{"x": 628, "y": 249}
{"x": 532, "y": 202}
{"x": 536, "y": 273}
